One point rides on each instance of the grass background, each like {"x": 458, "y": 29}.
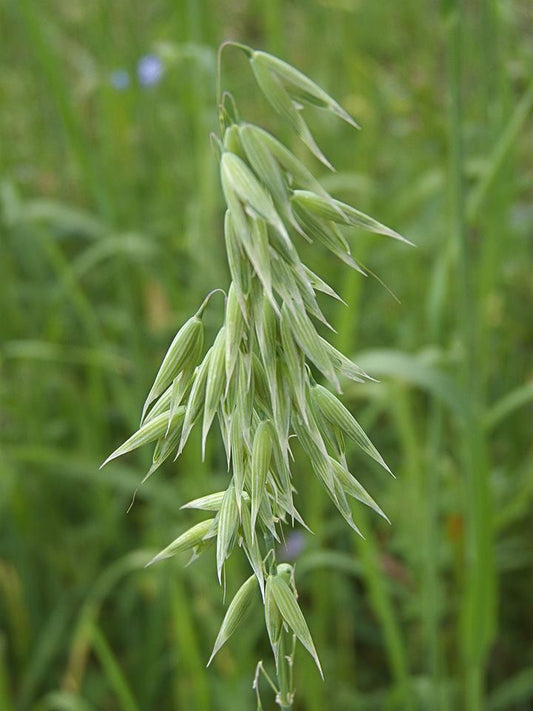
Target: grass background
{"x": 110, "y": 219}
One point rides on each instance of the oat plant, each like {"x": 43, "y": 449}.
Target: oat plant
{"x": 265, "y": 377}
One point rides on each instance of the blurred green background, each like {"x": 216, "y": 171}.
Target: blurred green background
{"x": 111, "y": 219}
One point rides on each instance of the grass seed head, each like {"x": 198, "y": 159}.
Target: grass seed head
{"x": 257, "y": 374}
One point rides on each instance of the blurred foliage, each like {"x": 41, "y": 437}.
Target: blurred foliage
{"x": 110, "y": 219}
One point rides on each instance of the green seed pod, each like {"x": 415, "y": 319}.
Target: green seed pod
{"x": 285, "y": 601}
{"x": 266, "y": 167}
{"x": 260, "y": 383}
{"x": 215, "y": 383}
{"x": 238, "y": 265}
{"x": 149, "y": 432}
{"x": 309, "y": 341}
{"x": 344, "y": 366}
{"x": 285, "y": 571}
{"x": 303, "y": 88}
{"x": 184, "y": 350}
{"x": 236, "y": 612}
{"x": 232, "y": 141}
{"x": 325, "y": 232}
{"x": 273, "y": 620}
{"x": 192, "y": 538}
{"x": 162, "y": 405}
{"x": 280, "y": 100}
{"x": 334, "y": 411}
{"x": 211, "y": 502}
{"x": 244, "y": 399}
{"x": 227, "y": 521}
{"x": 292, "y": 284}
{"x": 266, "y": 329}
{"x": 167, "y": 445}
{"x": 284, "y": 280}
{"x": 180, "y": 386}
{"x": 251, "y": 544}
{"x": 238, "y": 449}
{"x": 249, "y": 190}
{"x": 261, "y": 255}
{"x": 337, "y": 211}
{"x": 295, "y": 169}
{"x": 216, "y": 146}
{"x": 261, "y": 455}
{"x": 229, "y": 111}
{"x": 196, "y": 399}
{"x": 353, "y": 488}
{"x": 313, "y": 445}
{"x": 234, "y": 331}
{"x": 250, "y": 239}
{"x": 294, "y": 363}
{"x": 319, "y": 284}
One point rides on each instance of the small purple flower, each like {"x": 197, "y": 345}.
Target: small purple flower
{"x": 120, "y": 79}
{"x": 149, "y": 70}
{"x": 293, "y": 546}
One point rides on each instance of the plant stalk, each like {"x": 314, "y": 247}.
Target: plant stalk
{"x": 477, "y": 613}
{"x": 286, "y": 691}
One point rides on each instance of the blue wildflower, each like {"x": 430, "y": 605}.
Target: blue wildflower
{"x": 293, "y": 546}
{"x": 120, "y": 79}
{"x": 149, "y": 70}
